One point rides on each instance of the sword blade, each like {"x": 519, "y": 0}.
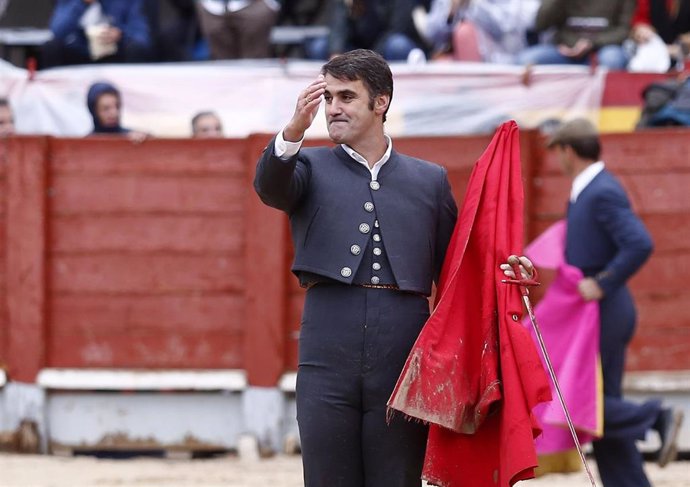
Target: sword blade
{"x": 552, "y": 374}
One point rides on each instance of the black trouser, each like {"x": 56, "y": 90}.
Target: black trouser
{"x": 57, "y": 53}
{"x": 619, "y": 462}
{"x": 353, "y": 344}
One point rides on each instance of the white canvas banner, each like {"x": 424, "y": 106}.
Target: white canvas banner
{"x": 259, "y": 96}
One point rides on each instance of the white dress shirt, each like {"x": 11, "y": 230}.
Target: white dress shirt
{"x": 584, "y": 178}
{"x": 286, "y": 149}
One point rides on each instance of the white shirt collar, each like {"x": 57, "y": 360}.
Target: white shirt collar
{"x": 583, "y": 179}
{"x": 374, "y": 170}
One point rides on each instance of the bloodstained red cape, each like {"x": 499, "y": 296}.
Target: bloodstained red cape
{"x": 474, "y": 373}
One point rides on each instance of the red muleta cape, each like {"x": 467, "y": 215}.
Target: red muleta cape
{"x": 474, "y": 373}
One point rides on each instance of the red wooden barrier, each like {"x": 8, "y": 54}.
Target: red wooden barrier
{"x": 160, "y": 255}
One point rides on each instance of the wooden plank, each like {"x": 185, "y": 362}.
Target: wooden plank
{"x": 103, "y": 315}
{"x": 644, "y": 152}
{"x": 651, "y": 350}
{"x": 660, "y": 193}
{"x": 265, "y": 283}
{"x": 146, "y": 274}
{"x": 670, "y": 233}
{"x": 148, "y": 233}
{"x": 3, "y": 198}
{"x": 104, "y": 156}
{"x": 454, "y": 153}
{"x": 647, "y": 151}
{"x": 76, "y": 194}
{"x": 649, "y": 194}
{"x": 181, "y": 349}
{"x": 661, "y": 314}
{"x": 663, "y": 275}
{"x": 25, "y": 257}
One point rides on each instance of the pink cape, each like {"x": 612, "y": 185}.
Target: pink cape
{"x": 570, "y": 328}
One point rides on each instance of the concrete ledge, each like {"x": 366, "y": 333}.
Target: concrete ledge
{"x": 288, "y": 382}
{"x": 657, "y": 382}
{"x": 142, "y": 380}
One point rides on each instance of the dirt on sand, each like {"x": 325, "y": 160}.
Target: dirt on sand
{"x": 279, "y": 471}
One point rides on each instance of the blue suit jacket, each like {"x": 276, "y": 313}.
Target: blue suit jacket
{"x": 605, "y": 239}
{"x": 323, "y": 190}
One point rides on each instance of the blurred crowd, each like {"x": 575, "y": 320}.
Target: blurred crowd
{"x": 637, "y": 35}
{"x": 642, "y": 35}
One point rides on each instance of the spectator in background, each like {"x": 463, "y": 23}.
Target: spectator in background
{"x": 582, "y": 29}
{"x": 478, "y": 30}
{"x": 104, "y": 102}
{"x": 237, "y": 29}
{"x": 206, "y": 125}
{"x": 6, "y": 118}
{"x": 98, "y": 31}
{"x": 385, "y": 26}
{"x": 668, "y": 19}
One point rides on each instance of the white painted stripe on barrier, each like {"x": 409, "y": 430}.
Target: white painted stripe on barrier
{"x": 288, "y": 382}
{"x": 111, "y": 379}
{"x": 3, "y": 378}
{"x": 661, "y": 381}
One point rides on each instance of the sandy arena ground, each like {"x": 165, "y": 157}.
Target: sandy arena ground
{"x": 281, "y": 471}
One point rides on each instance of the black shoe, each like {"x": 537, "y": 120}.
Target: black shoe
{"x": 668, "y": 425}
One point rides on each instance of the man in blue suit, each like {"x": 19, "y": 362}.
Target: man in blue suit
{"x": 370, "y": 227}
{"x": 609, "y": 243}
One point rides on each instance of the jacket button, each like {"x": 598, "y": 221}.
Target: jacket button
{"x": 376, "y": 223}
{"x": 369, "y": 206}
{"x": 374, "y": 185}
{"x": 377, "y": 251}
{"x": 355, "y": 250}
{"x": 377, "y": 237}
{"x": 364, "y": 228}
{"x": 375, "y": 280}
{"x": 346, "y": 272}
{"x": 376, "y": 266}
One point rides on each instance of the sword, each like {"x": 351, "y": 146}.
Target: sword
{"x": 523, "y": 284}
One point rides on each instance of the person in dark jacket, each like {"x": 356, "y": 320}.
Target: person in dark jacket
{"x": 609, "y": 243}
{"x": 119, "y": 31}
{"x": 104, "y": 102}
{"x": 370, "y": 228}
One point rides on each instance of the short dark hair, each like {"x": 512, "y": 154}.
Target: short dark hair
{"x": 581, "y": 135}
{"x": 4, "y": 102}
{"x": 588, "y": 148}
{"x": 365, "y": 65}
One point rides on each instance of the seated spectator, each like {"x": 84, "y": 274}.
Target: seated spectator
{"x": 238, "y": 29}
{"x": 6, "y": 118}
{"x": 479, "y": 30}
{"x": 385, "y": 26}
{"x": 581, "y": 30}
{"x": 105, "y": 105}
{"x": 668, "y": 19}
{"x": 206, "y": 125}
{"x": 106, "y": 31}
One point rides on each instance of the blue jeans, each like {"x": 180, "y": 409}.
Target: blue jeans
{"x": 394, "y": 47}
{"x": 611, "y": 56}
